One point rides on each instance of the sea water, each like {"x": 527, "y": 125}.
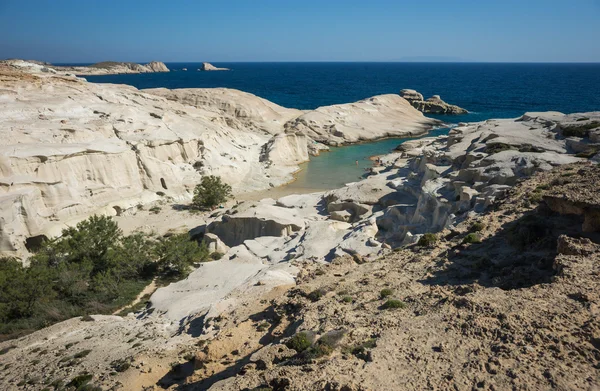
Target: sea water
{"x": 487, "y": 90}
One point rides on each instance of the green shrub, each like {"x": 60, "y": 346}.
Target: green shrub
{"x": 299, "y": 342}
{"x": 216, "y": 256}
{"x": 578, "y": 130}
{"x": 347, "y": 299}
{"x": 210, "y": 193}
{"x": 91, "y": 268}
{"x": 385, "y": 293}
{"x": 477, "y": 226}
{"x": 427, "y": 240}
{"x": 472, "y": 238}
{"x": 392, "y": 304}
{"x": 175, "y": 254}
{"x": 316, "y": 295}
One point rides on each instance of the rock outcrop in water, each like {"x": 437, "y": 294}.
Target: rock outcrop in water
{"x": 73, "y": 148}
{"x": 433, "y": 105}
{"x": 206, "y": 66}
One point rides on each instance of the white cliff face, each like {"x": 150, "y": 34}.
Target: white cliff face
{"x": 101, "y": 68}
{"x": 71, "y": 148}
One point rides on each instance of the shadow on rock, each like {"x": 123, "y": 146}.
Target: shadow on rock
{"x": 519, "y": 255}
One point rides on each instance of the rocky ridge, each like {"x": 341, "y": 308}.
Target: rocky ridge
{"x": 433, "y": 105}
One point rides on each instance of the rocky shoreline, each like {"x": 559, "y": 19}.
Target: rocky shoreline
{"x": 101, "y": 68}
{"x": 315, "y": 263}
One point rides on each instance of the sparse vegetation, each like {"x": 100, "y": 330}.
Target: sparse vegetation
{"x": 299, "y": 342}
{"x": 393, "y": 304}
{"x": 347, "y": 299}
{"x": 385, "y": 293}
{"x": 91, "y": 268}
{"x": 216, "y": 256}
{"x": 264, "y": 326}
{"x": 471, "y": 238}
{"x": 120, "y": 365}
{"x": 578, "y": 130}
{"x": 477, "y": 226}
{"x": 493, "y": 148}
{"x": 210, "y": 193}
{"x": 155, "y": 209}
{"x": 316, "y": 295}
{"x": 427, "y": 240}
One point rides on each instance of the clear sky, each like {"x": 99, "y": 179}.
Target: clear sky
{"x": 306, "y": 30}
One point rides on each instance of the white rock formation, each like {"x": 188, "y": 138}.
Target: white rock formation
{"x": 372, "y": 118}
{"x": 206, "y": 66}
{"x": 433, "y": 105}
{"x": 101, "y": 68}
{"x": 72, "y": 148}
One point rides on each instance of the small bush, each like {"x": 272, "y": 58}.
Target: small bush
{"x": 216, "y": 256}
{"x": 493, "y": 148}
{"x": 578, "y": 130}
{"x": 385, "y": 293}
{"x": 477, "y": 226}
{"x": 120, "y": 365}
{"x": 80, "y": 381}
{"x": 427, "y": 240}
{"x": 393, "y": 304}
{"x": 299, "y": 342}
{"x": 316, "y": 295}
{"x": 87, "y": 318}
{"x": 472, "y": 238}
{"x": 210, "y": 193}
{"x": 347, "y": 299}
{"x": 264, "y": 326}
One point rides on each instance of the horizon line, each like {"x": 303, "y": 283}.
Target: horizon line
{"x": 324, "y": 61}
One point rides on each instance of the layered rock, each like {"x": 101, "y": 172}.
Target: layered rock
{"x": 113, "y": 67}
{"x": 206, "y": 66}
{"x": 73, "y": 148}
{"x": 433, "y": 105}
{"x": 369, "y": 119}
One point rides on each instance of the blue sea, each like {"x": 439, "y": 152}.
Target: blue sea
{"x": 487, "y": 90}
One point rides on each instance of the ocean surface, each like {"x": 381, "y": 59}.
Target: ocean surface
{"x": 486, "y": 90}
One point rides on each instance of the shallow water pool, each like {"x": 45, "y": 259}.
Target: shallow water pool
{"x": 333, "y": 169}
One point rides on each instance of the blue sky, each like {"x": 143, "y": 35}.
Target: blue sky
{"x": 307, "y": 30}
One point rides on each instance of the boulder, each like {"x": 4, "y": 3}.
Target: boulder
{"x": 206, "y": 66}
{"x": 214, "y": 244}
